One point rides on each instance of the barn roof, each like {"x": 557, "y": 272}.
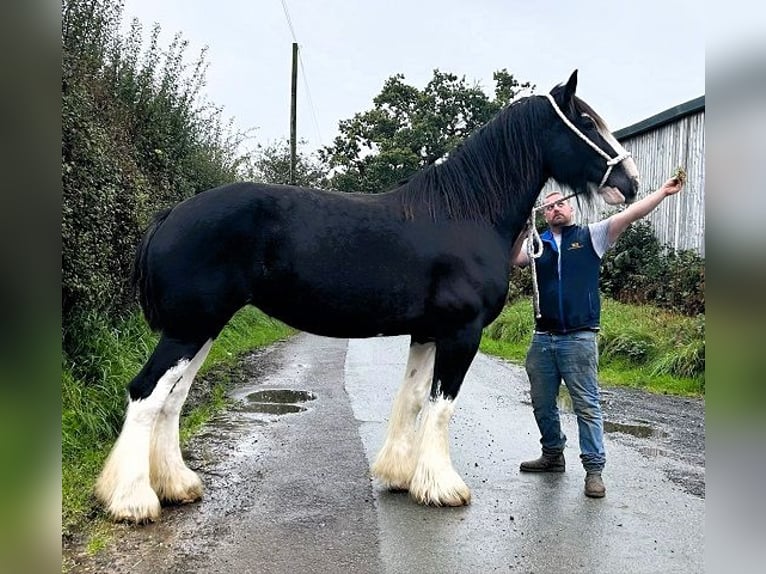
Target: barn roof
{"x": 662, "y": 118}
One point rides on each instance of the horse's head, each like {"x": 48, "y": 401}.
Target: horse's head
{"x": 585, "y": 156}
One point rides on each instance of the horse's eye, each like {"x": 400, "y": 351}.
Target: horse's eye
{"x": 589, "y": 121}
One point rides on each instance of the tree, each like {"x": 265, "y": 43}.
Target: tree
{"x": 271, "y": 164}
{"x": 408, "y": 129}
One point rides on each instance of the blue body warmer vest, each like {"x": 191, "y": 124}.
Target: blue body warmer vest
{"x": 569, "y": 300}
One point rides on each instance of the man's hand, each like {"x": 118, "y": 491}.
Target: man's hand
{"x": 672, "y": 186}
{"x": 619, "y": 222}
{"x": 519, "y": 257}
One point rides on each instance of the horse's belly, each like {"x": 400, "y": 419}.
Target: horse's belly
{"x": 341, "y": 313}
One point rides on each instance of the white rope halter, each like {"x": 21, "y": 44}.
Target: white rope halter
{"x": 610, "y": 162}
{"x": 533, "y": 236}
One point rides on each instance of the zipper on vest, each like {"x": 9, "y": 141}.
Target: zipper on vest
{"x": 561, "y": 288}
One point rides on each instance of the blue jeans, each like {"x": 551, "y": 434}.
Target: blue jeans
{"x": 574, "y": 358}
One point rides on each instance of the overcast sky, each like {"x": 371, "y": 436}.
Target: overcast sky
{"x": 635, "y": 59}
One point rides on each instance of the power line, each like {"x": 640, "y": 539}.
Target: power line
{"x": 289, "y": 21}
{"x": 304, "y": 75}
{"x": 311, "y": 101}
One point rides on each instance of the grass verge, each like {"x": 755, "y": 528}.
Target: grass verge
{"x": 94, "y": 400}
{"x": 640, "y": 346}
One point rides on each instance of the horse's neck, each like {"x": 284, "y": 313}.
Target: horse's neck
{"x": 511, "y": 221}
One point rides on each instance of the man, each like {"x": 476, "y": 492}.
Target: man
{"x": 564, "y": 342}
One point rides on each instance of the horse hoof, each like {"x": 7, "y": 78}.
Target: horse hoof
{"x": 186, "y": 497}
{"x": 184, "y": 488}
{"x": 455, "y": 498}
{"x": 393, "y": 477}
{"x": 450, "y": 491}
{"x": 391, "y": 481}
{"x": 134, "y": 516}
{"x": 137, "y": 508}
{"x": 396, "y": 489}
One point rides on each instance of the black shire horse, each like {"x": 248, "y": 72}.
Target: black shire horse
{"x": 430, "y": 259}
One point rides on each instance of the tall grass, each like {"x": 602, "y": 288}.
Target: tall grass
{"x": 639, "y": 345}
{"x": 94, "y": 384}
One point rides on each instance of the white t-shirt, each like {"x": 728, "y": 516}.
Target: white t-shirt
{"x": 599, "y": 236}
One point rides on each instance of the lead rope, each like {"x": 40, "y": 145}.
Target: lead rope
{"x": 534, "y": 253}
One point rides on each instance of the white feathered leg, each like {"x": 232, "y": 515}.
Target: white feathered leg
{"x": 435, "y": 481}
{"x": 396, "y": 460}
{"x": 124, "y": 486}
{"x": 170, "y": 478}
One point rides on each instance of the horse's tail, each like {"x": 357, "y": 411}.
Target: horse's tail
{"x": 141, "y": 279}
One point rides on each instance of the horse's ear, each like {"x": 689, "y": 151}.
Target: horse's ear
{"x": 570, "y": 88}
{"x": 564, "y": 94}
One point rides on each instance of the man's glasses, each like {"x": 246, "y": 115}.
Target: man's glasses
{"x": 560, "y": 203}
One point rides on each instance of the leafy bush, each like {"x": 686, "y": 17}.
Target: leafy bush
{"x": 135, "y": 138}
{"x": 628, "y": 267}
{"x": 640, "y": 270}
{"x": 680, "y": 283}
{"x": 633, "y": 345}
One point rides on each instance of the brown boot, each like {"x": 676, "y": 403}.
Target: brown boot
{"x": 546, "y": 463}
{"x": 594, "y": 485}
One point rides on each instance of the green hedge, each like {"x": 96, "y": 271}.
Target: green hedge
{"x": 135, "y": 138}
{"x": 640, "y": 270}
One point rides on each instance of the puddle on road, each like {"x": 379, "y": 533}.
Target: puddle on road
{"x": 640, "y": 431}
{"x": 271, "y": 408}
{"x": 564, "y": 402}
{"x": 652, "y": 452}
{"x": 276, "y": 401}
{"x": 230, "y": 434}
{"x": 281, "y": 396}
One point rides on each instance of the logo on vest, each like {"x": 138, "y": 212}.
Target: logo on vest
{"x": 575, "y": 245}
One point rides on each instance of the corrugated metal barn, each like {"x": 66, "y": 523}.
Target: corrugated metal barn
{"x": 660, "y": 144}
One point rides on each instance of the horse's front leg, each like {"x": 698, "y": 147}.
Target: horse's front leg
{"x": 435, "y": 481}
{"x": 395, "y": 463}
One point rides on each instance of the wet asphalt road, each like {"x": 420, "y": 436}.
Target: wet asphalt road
{"x": 521, "y": 522}
{"x": 291, "y": 493}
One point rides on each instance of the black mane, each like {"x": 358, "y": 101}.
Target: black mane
{"x": 481, "y": 178}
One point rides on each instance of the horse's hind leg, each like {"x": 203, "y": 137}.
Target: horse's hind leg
{"x": 396, "y": 460}
{"x": 170, "y": 478}
{"x": 435, "y": 481}
{"x": 124, "y": 485}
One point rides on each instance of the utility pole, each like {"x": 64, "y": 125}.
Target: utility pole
{"x": 293, "y": 92}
